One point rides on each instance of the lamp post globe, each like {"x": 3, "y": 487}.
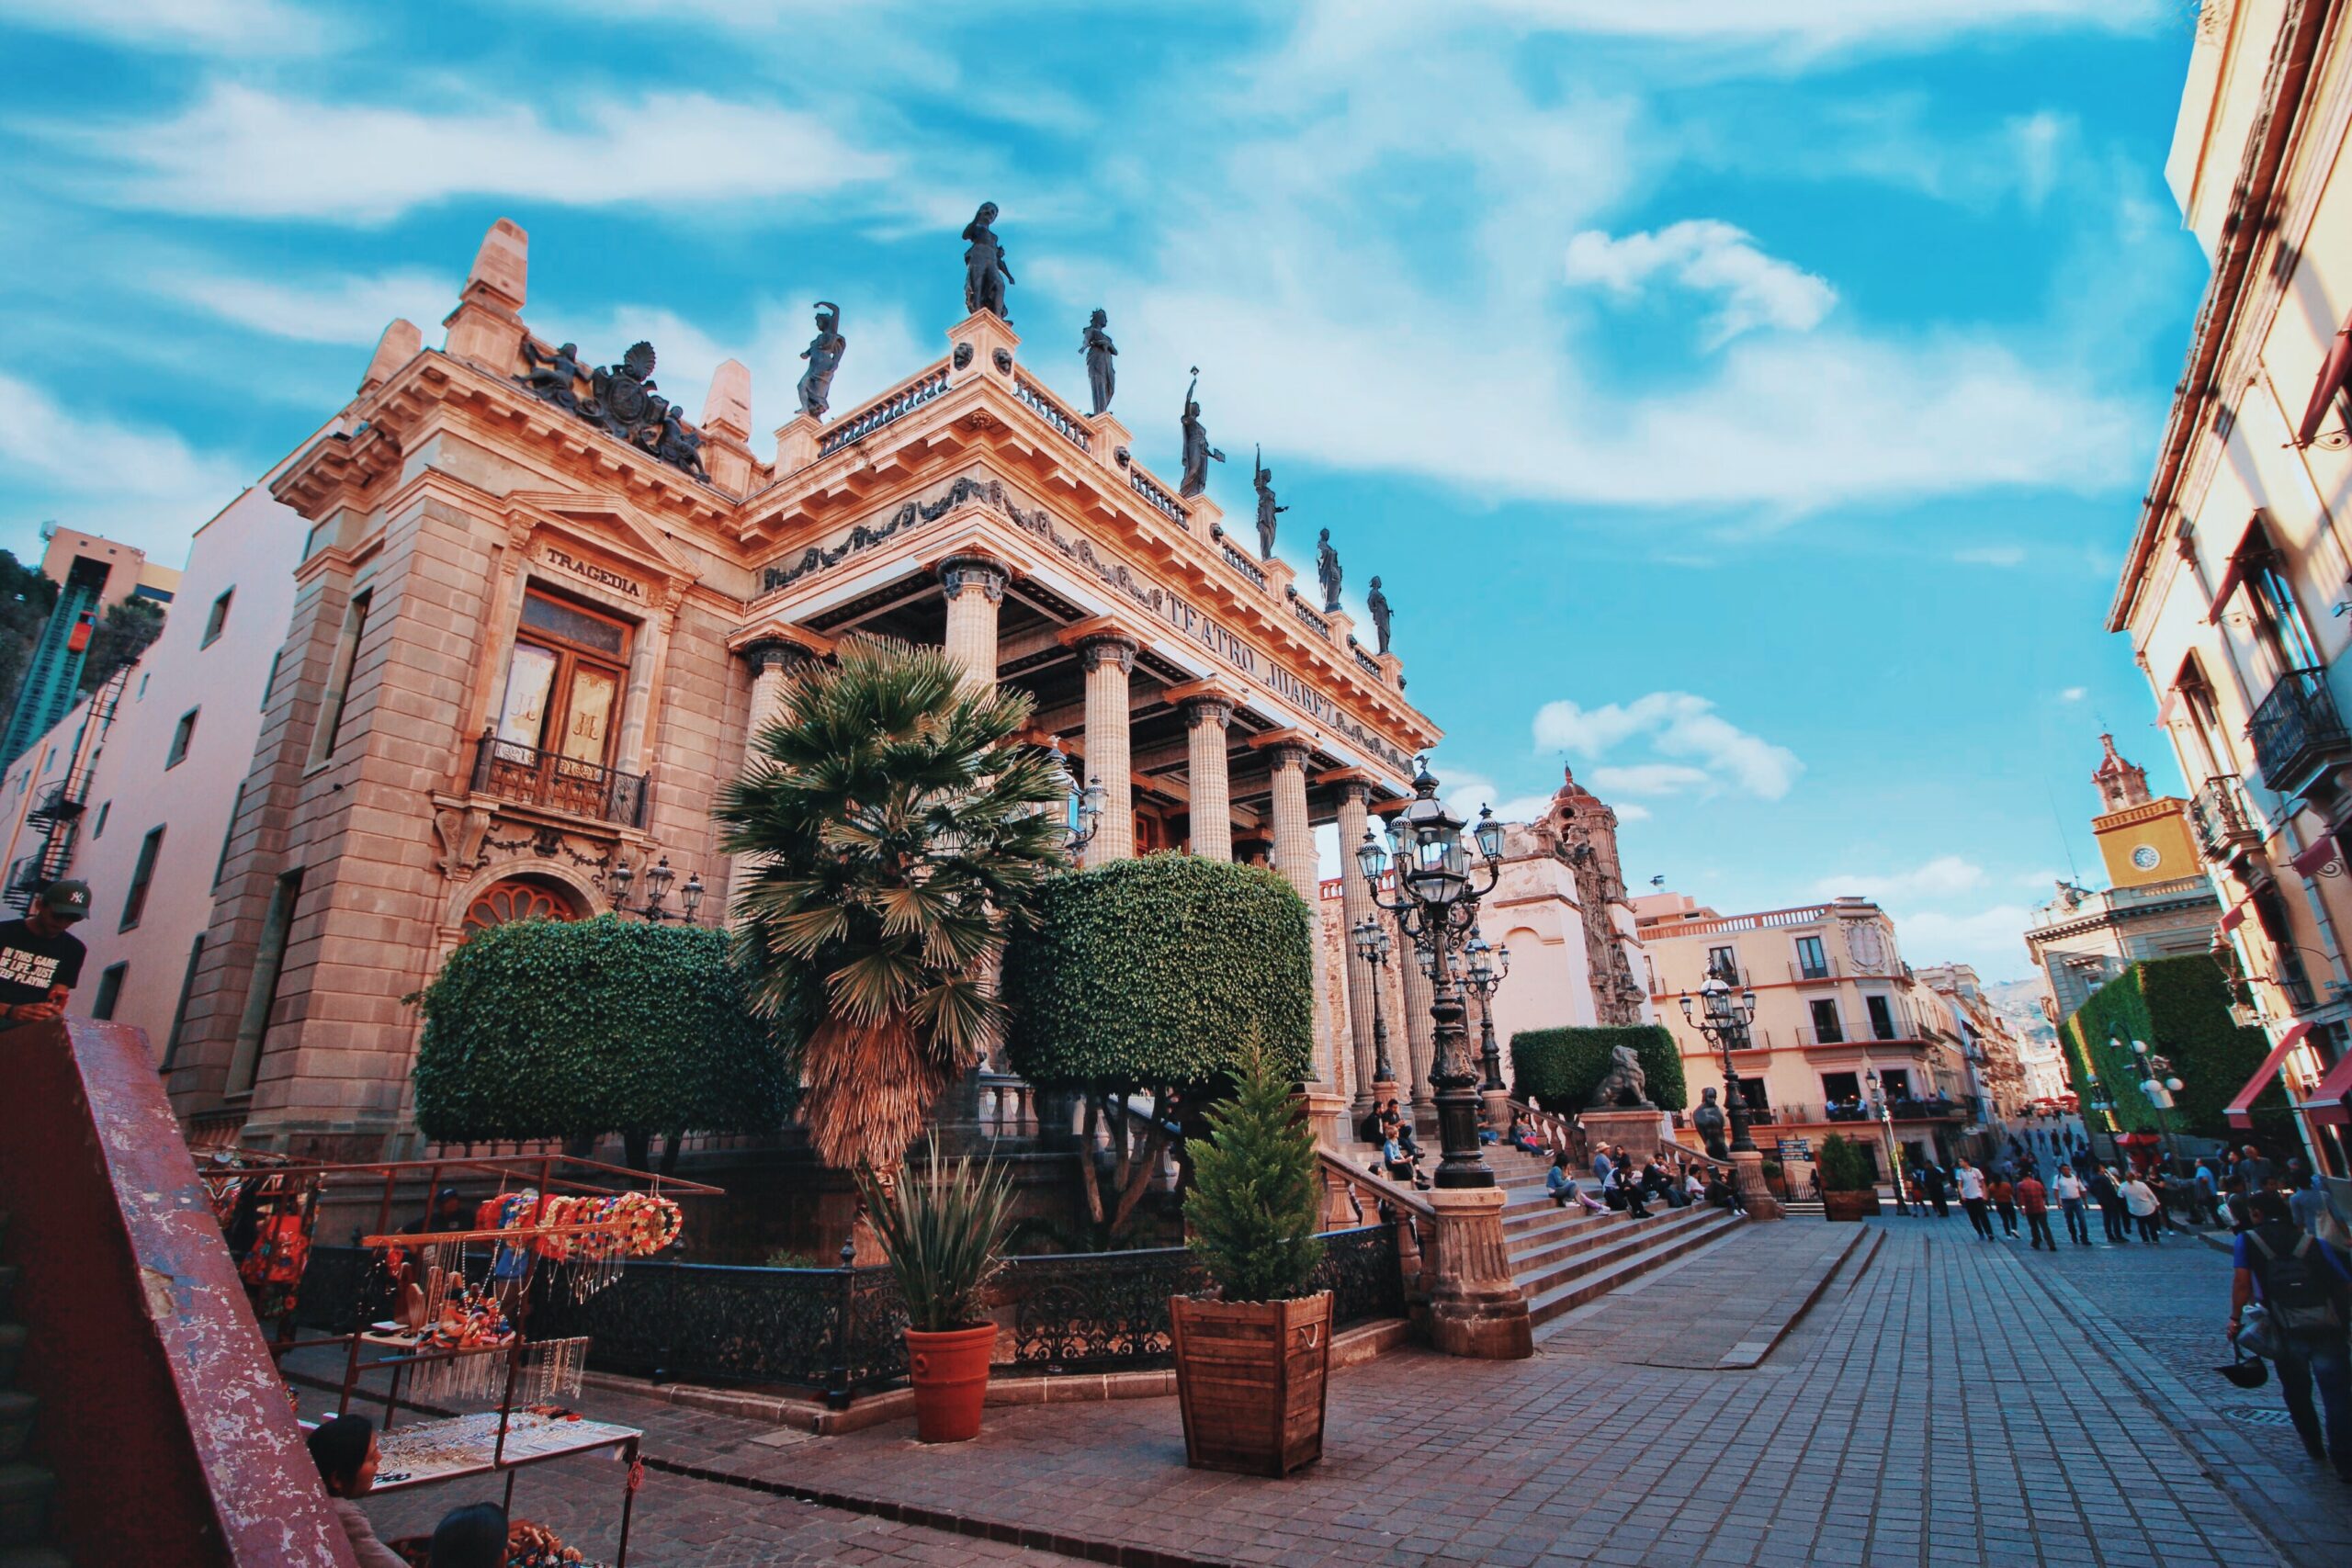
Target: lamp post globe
{"x": 1435, "y": 903}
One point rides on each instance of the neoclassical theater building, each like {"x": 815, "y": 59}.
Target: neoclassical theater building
{"x": 538, "y": 614}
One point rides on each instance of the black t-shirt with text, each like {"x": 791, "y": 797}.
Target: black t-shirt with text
{"x": 30, "y": 964}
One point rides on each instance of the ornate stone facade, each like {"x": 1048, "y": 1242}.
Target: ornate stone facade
{"x": 539, "y": 616}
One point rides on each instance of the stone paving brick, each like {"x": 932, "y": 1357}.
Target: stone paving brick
{"x": 1958, "y": 1402}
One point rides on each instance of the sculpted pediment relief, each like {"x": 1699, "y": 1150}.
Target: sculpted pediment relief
{"x": 605, "y": 525}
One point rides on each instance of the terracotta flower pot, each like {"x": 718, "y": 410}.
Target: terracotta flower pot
{"x": 1250, "y": 1378}
{"x": 950, "y": 1371}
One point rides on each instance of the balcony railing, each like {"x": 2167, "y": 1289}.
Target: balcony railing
{"x": 533, "y": 777}
{"x": 1152, "y": 491}
{"x": 2296, "y": 730}
{"x": 1827, "y": 969}
{"x": 2224, "y": 818}
{"x": 1239, "y": 561}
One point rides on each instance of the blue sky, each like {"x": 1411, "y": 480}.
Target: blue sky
{"x": 1745, "y": 400}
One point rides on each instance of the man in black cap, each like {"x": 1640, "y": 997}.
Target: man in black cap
{"x": 41, "y": 958}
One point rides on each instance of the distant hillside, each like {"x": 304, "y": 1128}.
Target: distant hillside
{"x": 2019, "y": 1001}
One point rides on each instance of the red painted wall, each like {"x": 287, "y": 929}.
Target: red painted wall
{"x": 160, "y": 1411}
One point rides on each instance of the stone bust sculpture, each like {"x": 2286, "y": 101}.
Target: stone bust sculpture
{"x": 1709, "y": 1120}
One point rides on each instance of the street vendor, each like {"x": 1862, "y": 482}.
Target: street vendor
{"x": 41, "y": 958}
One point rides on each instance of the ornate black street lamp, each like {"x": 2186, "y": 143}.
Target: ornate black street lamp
{"x": 1435, "y": 906}
{"x": 1373, "y": 946}
{"x": 1722, "y": 1013}
{"x": 1893, "y": 1151}
{"x": 1085, "y": 814}
{"x": 2159, "y": 1086}
{"x": 656, "y": 888}
{"x": 1488, "y": 967}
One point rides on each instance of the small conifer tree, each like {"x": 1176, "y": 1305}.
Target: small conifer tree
{"x": 1254, "y": 1201}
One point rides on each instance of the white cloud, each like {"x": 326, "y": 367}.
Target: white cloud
{"x": 241, "y": 28}
{"x": 1677, "y": 727}
{"x": 1942, "y": 878}
{"x": 241, "y": 151}
{"x": 1820, "y": 24}
{"x": 1649, "y": 778}
{"x": 1707, "y": 257}
{"x": 2074, "y": 694}
{"x": 1991, "y": 554}
{"x": 1630, "y": 811}
{"x": 348, "y": 310}
{"x": 139, "y": 485}
{"x": 1992, "y": 939}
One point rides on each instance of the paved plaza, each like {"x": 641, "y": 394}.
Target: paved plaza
{"x": 1945, "y": 1401}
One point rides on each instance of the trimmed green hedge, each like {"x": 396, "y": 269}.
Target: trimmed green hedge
{"x": 558, "y": 1028}
{"x": 1150, "y": 972}
{"x": 2181, "y": 1008}
{"x": 1563, "y": 1066}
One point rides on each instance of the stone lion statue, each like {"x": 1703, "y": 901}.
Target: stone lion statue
{"x": 1626, "y": 1086}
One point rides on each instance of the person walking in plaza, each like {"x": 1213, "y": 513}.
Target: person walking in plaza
{"x": 2140, "y": 1202}
{"x": 1938, "y": 1189}
{"x": 2034, "y": 1199}
{"x": 2305, "y": 1289}
{"x": 2069, "y": 1191}
{"x": 2110, "y": 1199}
{"x": 1970, "y": 1182}
{"x": 2004, "y": 1194}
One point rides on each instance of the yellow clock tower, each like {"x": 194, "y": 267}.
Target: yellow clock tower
{"x": 2142, "y": 839}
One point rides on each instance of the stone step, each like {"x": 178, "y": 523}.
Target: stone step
{"x": 16, "y": 1423}
{"x": 1536, "y": 1276}
{"x": 1544, "y": 1249}
{"x": 1574, "y": 1292}
{"x": 8, "y": 1275}
{"x": 12, "y": 1347}
{"x": 25, "y": 1492}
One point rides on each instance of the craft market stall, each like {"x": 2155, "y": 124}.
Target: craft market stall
{"x": 462, "y": 1285}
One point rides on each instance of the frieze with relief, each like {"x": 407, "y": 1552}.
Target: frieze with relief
{"x": 1189, "y": 623}
{"x": 467, "y": 844}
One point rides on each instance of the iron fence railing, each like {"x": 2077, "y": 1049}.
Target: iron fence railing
{"x": 841, "y": 1330}
{"x": 510, "y": 771}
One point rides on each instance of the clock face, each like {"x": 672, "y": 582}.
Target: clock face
{"x": 2145, "y": 857}
{"x": 1866, "y": 947}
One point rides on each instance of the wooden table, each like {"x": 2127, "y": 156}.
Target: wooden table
{"x": 428, "y": 1452}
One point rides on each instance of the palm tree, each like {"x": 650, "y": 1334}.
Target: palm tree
{"x": 893, "y": 819}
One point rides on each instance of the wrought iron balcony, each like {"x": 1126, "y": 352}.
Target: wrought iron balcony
{"x": 2296, "y": 730}
{"x": 533, "y": 777}
{"x": 2224, "y": 818}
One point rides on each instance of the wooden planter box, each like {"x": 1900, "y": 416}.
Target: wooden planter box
{"x": 1859, "y": 1205}
{"x": 1250, "y": 1378}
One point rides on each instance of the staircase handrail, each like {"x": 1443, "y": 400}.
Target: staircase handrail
{"x": 1556, "y": 1133}
{"x": 1393, "y": 1204}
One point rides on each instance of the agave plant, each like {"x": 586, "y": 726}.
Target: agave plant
{"x": 943, "y": 1227}
{"x": 894, "y": 821}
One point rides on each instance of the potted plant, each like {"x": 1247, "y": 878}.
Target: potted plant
{"x": 1846, "y": 1190}
{"x": 1775, "y": 1180}
{"x": 943, "y": 1227}
{"x": 1252, "y": 1359}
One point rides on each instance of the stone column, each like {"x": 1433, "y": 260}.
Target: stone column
{"x": 1204, "y": 733}
{"x": 1356, "y": 905}
{"x": 1109, "y": 658}
{"x": 975, "y": 586}
{"x": 773, "y": 662}
{"x": 1420, "y": 1032}
{"x": 1294, "y": 860}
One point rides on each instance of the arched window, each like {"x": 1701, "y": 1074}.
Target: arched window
{"x": 518, "y": 899}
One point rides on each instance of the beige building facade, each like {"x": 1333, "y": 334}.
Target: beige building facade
{"x": 537, "y": 614}
{"x": 1834, "y": 1001}
{"x": 2234, "y": 590}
